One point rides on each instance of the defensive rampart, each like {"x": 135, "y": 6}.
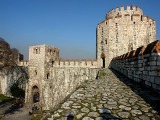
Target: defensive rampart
{"x": 76, "y": 63}
{"x": 141, "y": 65}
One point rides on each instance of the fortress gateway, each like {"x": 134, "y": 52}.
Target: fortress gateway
{"x": 52, "y": 79}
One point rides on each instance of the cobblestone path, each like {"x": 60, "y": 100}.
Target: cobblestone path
{"x": 109, "y": 99}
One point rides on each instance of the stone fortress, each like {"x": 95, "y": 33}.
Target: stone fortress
{"x": 122, "y": 31}
{"x": 51, "y": 79}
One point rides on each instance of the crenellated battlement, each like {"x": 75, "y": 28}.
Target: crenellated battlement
{"x": 122, "y": 11}
{"x": 23, "y": 63}
{"x": 84, "y": 63}
{"x": 132, "y": 18}
{"x": 141, "y": 65}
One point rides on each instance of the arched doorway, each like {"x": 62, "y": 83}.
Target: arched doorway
{"x": 35, "y": 94}
{"x": 103, "y": 60}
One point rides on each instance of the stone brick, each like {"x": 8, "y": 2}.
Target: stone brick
{"x": 158, "y": 63}
{"x": 157, "y": 80}
{"x": 154, "y": 68}
{"x": 140, "y": 65}
{"x": 145, "y": 73}
{"x": 158, "y": 58}
{"x": 140, "y": 61}
{"x": 152, "y": 63}
{"x": 154, "y": 86}
{"x": 153, "y": 73}
{"x": 153, "y": 58}
{"x": 148, "y": 83}
{"x": 152, "y": 79}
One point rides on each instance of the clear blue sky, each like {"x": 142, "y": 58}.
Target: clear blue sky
{"x": 67, "y": 24}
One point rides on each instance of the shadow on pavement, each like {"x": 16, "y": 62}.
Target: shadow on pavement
{"x": 106, "y": 115}
{"x": 150, "y": 96}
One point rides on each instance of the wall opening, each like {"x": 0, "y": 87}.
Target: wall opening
{"x": 47, "y": 75}
{"x": 141, "y": 18}
{"x": 36, "y": 51}
{"x": 103, "y": 60}
{"x": 35, "y": 94}
{"x": 52, "y": 63}
{"x": 35, "y": 72}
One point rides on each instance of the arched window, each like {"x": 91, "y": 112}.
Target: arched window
{"x": 35, "y": 94}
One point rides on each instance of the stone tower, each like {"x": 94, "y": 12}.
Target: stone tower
{"x": 123, "y": 30}
{"x": 41, "y": 60}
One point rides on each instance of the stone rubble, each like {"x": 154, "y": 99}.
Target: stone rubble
{"x": 105, "y": 99}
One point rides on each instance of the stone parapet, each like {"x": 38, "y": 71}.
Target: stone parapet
{"x": 84, "y": 63}
{"x": 141, "y": 65}
{"x": 23, "y": 63}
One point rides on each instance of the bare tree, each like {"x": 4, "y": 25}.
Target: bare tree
{"x": 8, "y": 56}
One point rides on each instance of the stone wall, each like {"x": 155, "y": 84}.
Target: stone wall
{"x": 54, "y": 78}
{"x": 14, "y": 74}
{"x": 141, "y": 65}
{"x": 76, "y": 63}
{"x": 23, "y": 63}
{"x": 61, "y": 82}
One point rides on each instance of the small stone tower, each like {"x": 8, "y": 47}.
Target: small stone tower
{"x": 41, "y": 60}
{"x": 122, "y": 31}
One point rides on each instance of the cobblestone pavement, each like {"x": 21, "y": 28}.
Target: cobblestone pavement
{"x": 109, "y": 98}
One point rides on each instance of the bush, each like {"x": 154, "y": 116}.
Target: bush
{"x": 16, "y": 91}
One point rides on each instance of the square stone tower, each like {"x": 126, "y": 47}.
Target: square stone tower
{"x": 122, "y": 31}
{"x": 41, "y": 59}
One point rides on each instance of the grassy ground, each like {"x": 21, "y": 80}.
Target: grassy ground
{"x": 4, "y": 99}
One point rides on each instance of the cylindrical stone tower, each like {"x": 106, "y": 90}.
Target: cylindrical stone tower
{"x": 122, "y": 31}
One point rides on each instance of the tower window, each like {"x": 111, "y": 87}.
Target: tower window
{"x": 47, "y": 75}
{"x": 52, "y": 63}
{"x": 141, "y": 17}
{"x": 36, "y": 50}
{"x": 35, "y": 72}
{"x": 106, "y": 41}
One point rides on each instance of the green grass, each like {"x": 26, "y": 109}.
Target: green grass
{"x": 102, "y": 74}
{"x": 4, "y": 99}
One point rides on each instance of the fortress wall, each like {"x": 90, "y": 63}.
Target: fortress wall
{"x": 141, "y": 65}
{"x": 15, "y": 74}
{"x": 124, "y": 10}
{"x": 23, "y": 63}
{"x": 63, "y": 81}
{"x": 84, "y": 63}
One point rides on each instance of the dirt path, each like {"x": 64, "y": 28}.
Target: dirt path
{"x": 11, "y": 112}
{"x": 21, "y": 114}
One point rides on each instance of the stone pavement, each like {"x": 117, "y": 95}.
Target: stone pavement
{"x": 109, "y": 99}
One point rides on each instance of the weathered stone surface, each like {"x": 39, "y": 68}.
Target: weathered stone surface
{"x": 85, "y": 110}
{"x": 87, "y": 118}
{"x": 118, "y": 105}
{"x": 137, "y": 112}
{"x": 93, "y": 114}
{"x": 79, "y": 116}
{"x": 123, "y": 114}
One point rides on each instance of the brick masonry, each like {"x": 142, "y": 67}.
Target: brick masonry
{"x": 141, "y": 65}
